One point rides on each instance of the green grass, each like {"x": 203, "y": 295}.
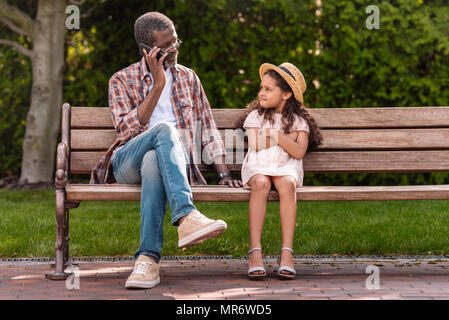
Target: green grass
{"x": 27, "y": 228}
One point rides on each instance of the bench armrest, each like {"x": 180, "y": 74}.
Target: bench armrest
{"x": 61, "y": 175}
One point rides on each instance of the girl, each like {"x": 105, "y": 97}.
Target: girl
{"x": 280, "y": 131}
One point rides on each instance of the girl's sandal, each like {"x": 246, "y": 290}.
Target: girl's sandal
{"x": 286, "y": 272}
{"x": 251, "y": 271}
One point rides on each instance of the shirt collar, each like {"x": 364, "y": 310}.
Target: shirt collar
{"x": 144, "y": 72}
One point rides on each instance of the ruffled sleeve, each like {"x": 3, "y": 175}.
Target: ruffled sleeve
{"x": 252, "y": 120}
{"x": 301, "y": 125}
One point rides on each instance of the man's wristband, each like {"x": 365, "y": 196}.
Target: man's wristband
{"x": 222, "y": 175}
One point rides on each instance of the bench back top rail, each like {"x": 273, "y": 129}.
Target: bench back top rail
{"x": 327, "y": 118}
{"x": 405, "y": 139}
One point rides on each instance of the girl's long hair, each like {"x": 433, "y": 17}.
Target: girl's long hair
{"x": 292, "y": 107}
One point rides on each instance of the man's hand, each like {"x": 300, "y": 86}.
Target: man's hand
{"x": 231, "y": 182}
{"x": 156, "y": 66}
{"x": 146, "y": 108}
{"x": 221, "y": 167}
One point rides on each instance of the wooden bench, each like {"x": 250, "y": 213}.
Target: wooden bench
{"x": 355, "y": 140}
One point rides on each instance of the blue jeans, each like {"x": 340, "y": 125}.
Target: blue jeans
{"x": 155, "y": 159}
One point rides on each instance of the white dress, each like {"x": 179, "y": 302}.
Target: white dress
{"x": 273, "y": 161}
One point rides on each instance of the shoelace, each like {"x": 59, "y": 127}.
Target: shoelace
{"x": 142, "y": 267}
{"x": 199, "y": 218}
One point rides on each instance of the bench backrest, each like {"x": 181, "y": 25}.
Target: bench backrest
{"x": 396, "y": 139}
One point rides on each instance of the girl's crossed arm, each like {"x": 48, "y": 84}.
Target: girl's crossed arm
{"x": 259, "y": 139}
{"x": 295, "y": 148}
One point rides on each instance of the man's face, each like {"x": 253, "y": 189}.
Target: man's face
{"x": 165, "y": 40}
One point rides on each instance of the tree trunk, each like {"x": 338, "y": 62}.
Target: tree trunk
{"x": 43, "y": 118}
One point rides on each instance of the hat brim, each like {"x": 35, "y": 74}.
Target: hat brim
{"x": 288, "y": 78}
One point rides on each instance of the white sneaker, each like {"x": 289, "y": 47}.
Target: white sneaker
{"x": 145, "y": 274}
{"x": 196, "y": 228}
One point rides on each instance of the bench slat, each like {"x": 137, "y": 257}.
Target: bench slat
{"x": 326, "y": 162}
{"x": 395, "y": 117}
{"x": 102, "y": 139}
{"x": 365, "y": 139}
{"x": 227, "y": 194}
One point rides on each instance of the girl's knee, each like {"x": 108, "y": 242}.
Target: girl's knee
{"x": 260, "y": 183}
{"x": 286, "y": 184}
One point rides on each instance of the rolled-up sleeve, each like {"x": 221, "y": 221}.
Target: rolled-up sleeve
{"x": 123, "y": 110}
{"x": 211, "y": 140}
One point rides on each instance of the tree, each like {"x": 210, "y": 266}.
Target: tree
{"x": 47, "y": 32}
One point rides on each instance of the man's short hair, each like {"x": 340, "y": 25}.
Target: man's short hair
{"x": 146, "y": 24}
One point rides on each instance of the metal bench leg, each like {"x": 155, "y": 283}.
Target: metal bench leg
{"x": 65, "y": 248}
{"x": 62, "y": 244}
{"x": 68, "y": 205}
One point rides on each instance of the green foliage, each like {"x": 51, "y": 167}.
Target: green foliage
{"x": 14, "y": 104}
{"x": 404, "y": 63}
{"x": 15, "y": 95}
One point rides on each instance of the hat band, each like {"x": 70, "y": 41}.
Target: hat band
{"x": 287, "y": 71}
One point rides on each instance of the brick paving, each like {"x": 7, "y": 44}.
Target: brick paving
{"x": 225, "y": 279}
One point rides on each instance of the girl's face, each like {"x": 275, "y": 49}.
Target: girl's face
{"x": 272, "y": 96}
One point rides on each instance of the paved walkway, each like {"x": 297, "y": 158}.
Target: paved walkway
{"x": 211, "y": 279}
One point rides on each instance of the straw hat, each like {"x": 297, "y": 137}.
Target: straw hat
{"x": 291, "y": 75}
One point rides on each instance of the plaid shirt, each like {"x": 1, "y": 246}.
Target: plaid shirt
{"x": 195, "y": 124}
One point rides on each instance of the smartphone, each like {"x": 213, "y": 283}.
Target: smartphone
{"x": 147, "y": 48}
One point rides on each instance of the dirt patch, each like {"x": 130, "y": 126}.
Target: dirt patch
{"x": 14, "y": 183}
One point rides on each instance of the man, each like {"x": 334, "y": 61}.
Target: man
{"x": 156, "y": 106}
